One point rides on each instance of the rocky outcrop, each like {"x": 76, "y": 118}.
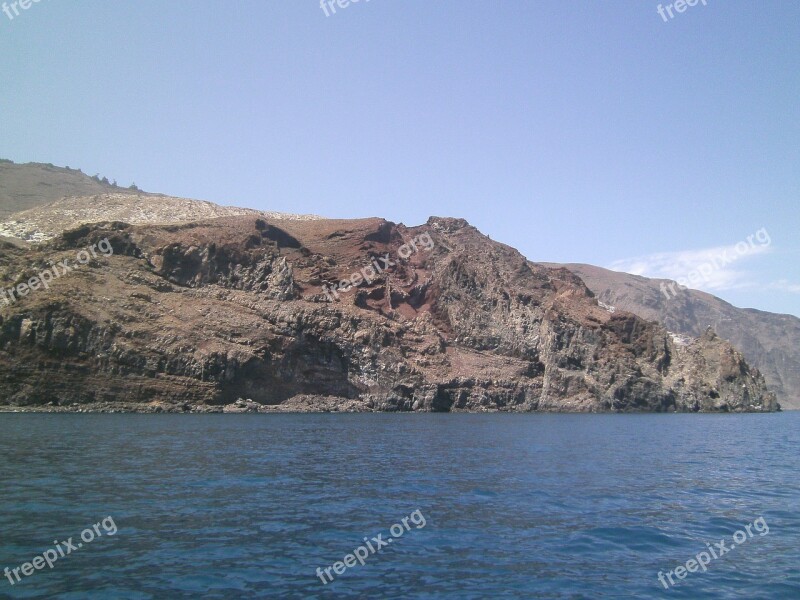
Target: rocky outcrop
{"x": 770, "y": 342}
{"x": 431, "y": 318}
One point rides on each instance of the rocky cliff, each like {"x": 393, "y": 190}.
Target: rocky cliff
{"x": 770, "y": 342}
{"x": 430, "y": 318}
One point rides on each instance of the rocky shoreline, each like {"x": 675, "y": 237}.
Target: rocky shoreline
{"x": 296, "y": 405}
{"x": 300, "y": 405}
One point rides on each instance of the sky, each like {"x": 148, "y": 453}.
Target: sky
{"x": 575, "y": 131}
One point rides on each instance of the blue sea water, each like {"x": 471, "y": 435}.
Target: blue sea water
{"x": 515, "y": 505}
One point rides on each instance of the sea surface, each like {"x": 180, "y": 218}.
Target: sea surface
{"x": 513, "y": 505}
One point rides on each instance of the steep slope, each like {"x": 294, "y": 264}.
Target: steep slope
{"x": 770, "y": 342}
{"x": 46, "y": 222}
{"x": 40, "y": 201}
{"x": 34, "y": 184}
{"x": 239, "y": 306}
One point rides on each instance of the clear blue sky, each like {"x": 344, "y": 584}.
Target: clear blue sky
{"x": 575, "y": 131}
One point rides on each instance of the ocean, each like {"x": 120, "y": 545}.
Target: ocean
{"x": 477, "y": 506}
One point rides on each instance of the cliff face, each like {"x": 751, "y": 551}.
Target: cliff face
{"x": 434, "y": 318}
{"x": 770, "y": 342}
